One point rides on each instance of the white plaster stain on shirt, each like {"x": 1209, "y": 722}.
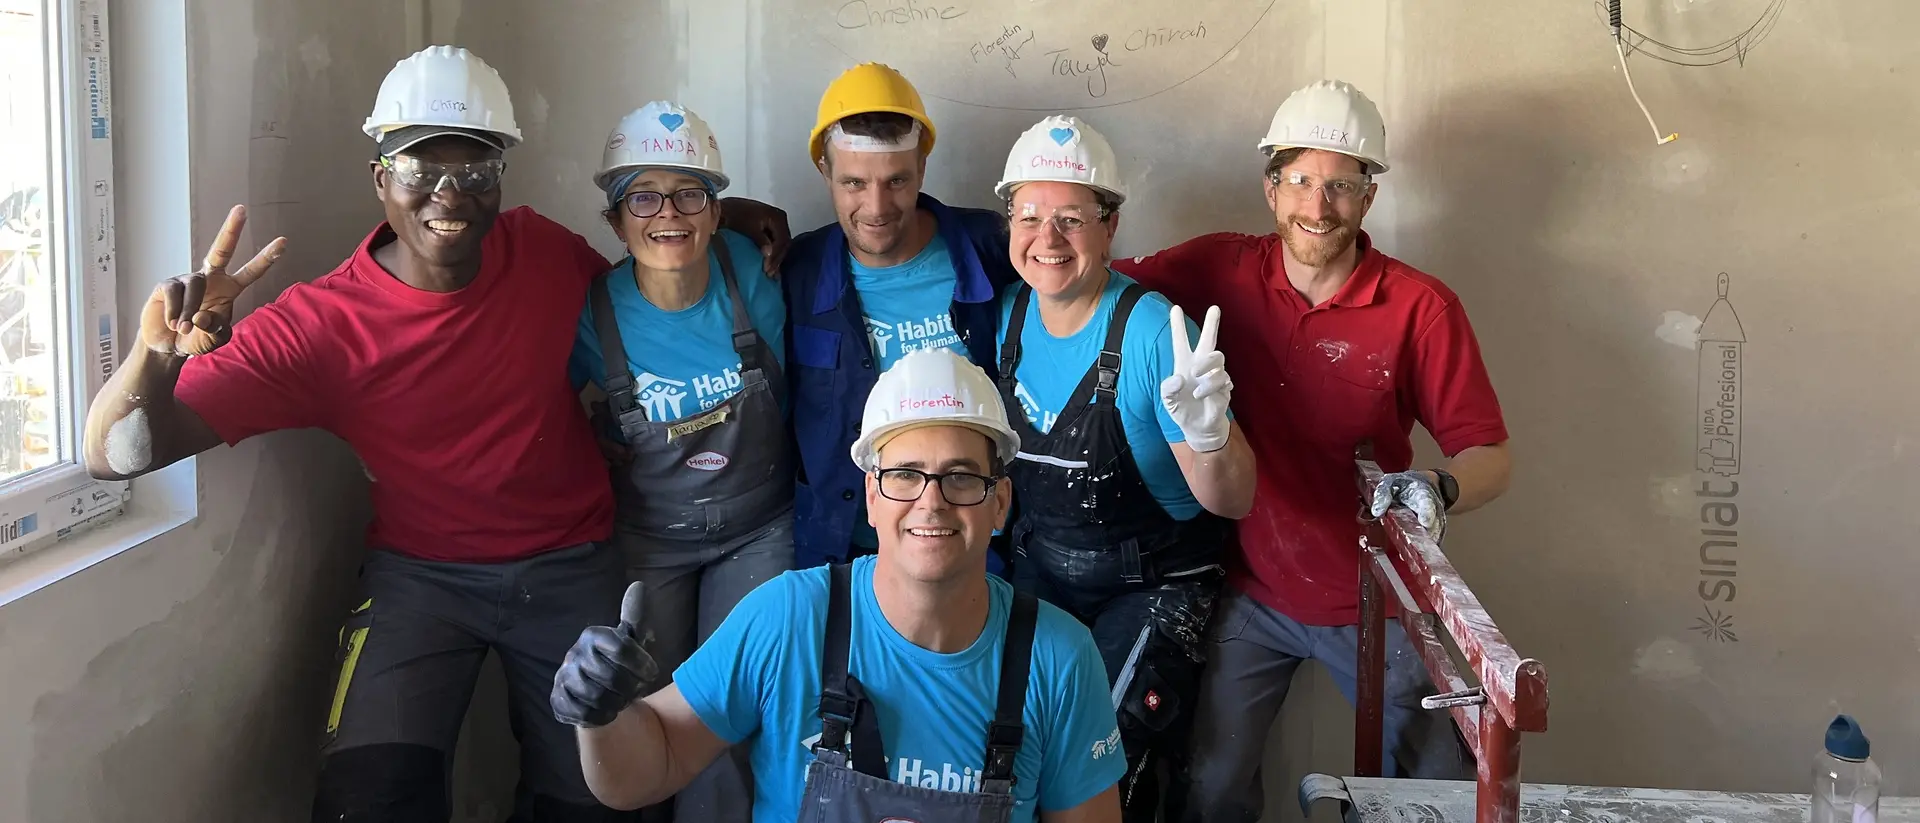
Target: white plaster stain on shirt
{"x": 1335, "y": 349}
{"x": 315, "y": 56}
{"x": 1679, "y": 328}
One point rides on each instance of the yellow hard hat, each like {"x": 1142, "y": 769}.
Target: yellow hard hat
{"x": 863, "y": 89}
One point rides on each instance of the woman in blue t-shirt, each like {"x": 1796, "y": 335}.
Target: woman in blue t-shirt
{"x": 1130, "y": 470}
{"x": 685, "y": 337}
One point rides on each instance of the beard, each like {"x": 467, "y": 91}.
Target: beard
{"x": 1316, "y": 250}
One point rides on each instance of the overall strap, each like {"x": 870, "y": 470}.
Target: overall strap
{"x": 1016, "y": 323}
{"x": 843, "y": 703}
{"x": 1109, "y": 362}
{"x": 613, "y": 353}
{"x": 747, "y": 342}
{"x": 1009, "y": 727}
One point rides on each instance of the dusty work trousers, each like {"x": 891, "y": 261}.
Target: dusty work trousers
{"x": 1254, "y": 654}
{"x": 692, "y": 586}
{"x": 410, "y": 655}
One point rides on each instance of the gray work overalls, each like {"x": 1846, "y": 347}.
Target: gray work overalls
{"x": 839, "y": 792}
{"x": 704, "y": 514}
{"x": 713, "y": 475}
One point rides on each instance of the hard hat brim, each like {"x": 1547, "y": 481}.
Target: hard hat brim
{"x": 867, "y": 449}
{"x": 1368, "y": 164}
{"x": 1005, "y": 189}
{"x": 398, "y": 140}
{"x": 720, "y": 181}
{"x": 817, "y": 143}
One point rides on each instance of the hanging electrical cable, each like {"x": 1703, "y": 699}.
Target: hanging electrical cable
{"x": 1619, "y": 47}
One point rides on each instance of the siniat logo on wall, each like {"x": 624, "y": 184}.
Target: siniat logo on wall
{"x": 1717, "y": 420}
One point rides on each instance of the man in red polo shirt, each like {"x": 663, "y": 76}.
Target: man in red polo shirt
{"x": 1355, "y": 346}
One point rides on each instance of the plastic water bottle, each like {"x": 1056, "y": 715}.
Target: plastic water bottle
{"x": 1846, "y": 782}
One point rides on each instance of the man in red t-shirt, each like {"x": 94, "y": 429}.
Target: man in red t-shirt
{"x": 1352, "y": 346}
{"x": 438, "y": 351}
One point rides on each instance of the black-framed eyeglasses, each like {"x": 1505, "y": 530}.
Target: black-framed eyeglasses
{"x": 645, "y": 204}
{"x": 957, "y": 488}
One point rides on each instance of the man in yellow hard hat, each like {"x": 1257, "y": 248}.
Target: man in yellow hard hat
{"x": 897, "y": 272}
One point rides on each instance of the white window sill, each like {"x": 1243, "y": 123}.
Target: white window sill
{"x": 161, "y": 502}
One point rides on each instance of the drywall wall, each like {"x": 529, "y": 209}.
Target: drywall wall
{"x": 1589, "y": 257}
{"x": 186, "y": 679}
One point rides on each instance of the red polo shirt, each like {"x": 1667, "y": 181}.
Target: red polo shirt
{"x": 1310, "y": 383}
{"x": 458, "y": 403}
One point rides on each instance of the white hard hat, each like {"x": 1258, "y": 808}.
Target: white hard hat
{"x": 1064, "y": 150}
{"x": 662, "y": 135}
{"x": 1331, "y": 116}
{"x": 932, "y": 387}
{"x": 448, "y": 89}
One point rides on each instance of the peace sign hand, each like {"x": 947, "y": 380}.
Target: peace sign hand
{"x": 192, "y": 314}
{"x": 1197, "y": 393}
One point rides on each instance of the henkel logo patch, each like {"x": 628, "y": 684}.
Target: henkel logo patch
{"x": 708, "y": 461}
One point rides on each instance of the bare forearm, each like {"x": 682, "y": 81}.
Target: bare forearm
{"x": 627, "y": 762}
{"x": 1483, "y": 473}
{"x": 1222, "y": 480}
{"x": 135, "y": 425}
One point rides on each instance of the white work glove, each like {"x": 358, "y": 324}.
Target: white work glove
{"x": 1197, "y": 393}
{"x": 1413, "y": 491}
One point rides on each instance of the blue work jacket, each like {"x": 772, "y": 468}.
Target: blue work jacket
{"x": 831, "y": 366}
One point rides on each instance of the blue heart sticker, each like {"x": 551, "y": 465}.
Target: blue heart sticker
{"x": 672, "y": 121}
{"x": 1061, "y": 136}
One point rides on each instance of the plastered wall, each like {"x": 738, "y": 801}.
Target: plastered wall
{"x": 1588, "y": 257}
{"x": 187, "y": 678}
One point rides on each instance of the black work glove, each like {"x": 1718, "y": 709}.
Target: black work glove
{"x": 605, "y": 670}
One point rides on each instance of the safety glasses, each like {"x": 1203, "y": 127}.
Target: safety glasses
{"x": 957, "y": 488}
{"x": 645, "y": 204}
{"x": 1068, "y": 220}
{"x": 1301, "y": 186}
{"x": 467, "y": 178}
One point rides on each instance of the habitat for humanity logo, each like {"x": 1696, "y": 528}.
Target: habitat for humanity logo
{"x": 1717, "y": 419}
{"x": 934, "y": 332}
{"x": 1037, "y": 417}
{"x": 665, "y": 398}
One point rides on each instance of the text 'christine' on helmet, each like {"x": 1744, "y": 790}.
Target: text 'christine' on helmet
{"x": 662, "y": 135}
{"x": 446, "y": 87}
{"x": 1063, "y": 149}
{"x": 868, "y": 88}
{"x": 1330, "y": 115}
{"x": 932, "y": 387}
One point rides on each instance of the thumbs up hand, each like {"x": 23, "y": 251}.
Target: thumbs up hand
{"x": 605, "y": 670}
{"x": 1197, "y": 393}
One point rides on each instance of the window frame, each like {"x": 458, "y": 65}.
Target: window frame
{"x": 49, "y": 505}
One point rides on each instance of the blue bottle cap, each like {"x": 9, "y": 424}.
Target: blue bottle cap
{"x": 1845, "y": 740}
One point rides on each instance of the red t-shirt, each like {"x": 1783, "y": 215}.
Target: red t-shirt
{"x": 458, "y": 403}
{"x": 1310, "y": 383}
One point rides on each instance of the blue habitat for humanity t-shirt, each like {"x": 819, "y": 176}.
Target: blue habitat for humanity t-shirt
{"x": 908, "y": 308}
{"x": 683, "y": 361}
{"x": 1052, "y": 367}
{"x": 907, "y": 305}
{"x": 758, "y": 678}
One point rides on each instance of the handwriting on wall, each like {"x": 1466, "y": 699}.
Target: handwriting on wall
{"x": 1009, "y": 54}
